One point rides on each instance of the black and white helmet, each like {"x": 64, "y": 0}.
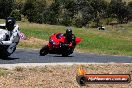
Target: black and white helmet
{"x": 10, "y": 22}
{"x": 69, "y": 31}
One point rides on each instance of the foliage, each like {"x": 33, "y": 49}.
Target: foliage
{"x": 50, "y": 14}
{"x": 84, "y": 13}
{"x": 6, "y": 7}
{"x": 33, "y": 10}
{"x": 16, "y": 14}
{"x": 130, "y": 10}
{"x": 100, "y": 9}
{"x": 116, "y": 40}
{"x": 118, "y": 9}
{"x": 79, "y": 13}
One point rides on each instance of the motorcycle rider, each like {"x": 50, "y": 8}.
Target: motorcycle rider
{"x": 12, "y": 37}
{"x": 70, "y": 37}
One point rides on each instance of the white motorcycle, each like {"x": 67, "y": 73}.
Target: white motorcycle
{"x": 6, "y": 50}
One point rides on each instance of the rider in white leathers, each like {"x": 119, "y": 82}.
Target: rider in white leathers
{"x": 12, "y": 34}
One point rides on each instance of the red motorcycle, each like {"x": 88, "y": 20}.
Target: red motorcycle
{"x": 57, "y": 45}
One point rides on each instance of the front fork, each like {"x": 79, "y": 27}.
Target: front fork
{"x": 11, "y": 48}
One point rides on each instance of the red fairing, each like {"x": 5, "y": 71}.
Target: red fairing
{"x": 56, "y": 39}
{"x": 58, "y": 45}
{"x": 78, "y": 40}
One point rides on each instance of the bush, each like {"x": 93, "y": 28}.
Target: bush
{"x": 92, "y": 24}
{"x": 106, "y": 21}
{"x": 16, "y": 14}
{"x": 6, "y": 7}
{"x": 118, "y": 9}
{"x": 34, "y": 9}
{"x": 50, "y": 14}
{"x": 79, "y": 13}
{"x": 130, "y": 10}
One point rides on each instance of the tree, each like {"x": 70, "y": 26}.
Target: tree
{"x": 50, "y": 14}
{"x": 6, "y": 7}
{"x": 118, "y": 9}
{"x": 66, "y": 12}
{"x": 33, "y": 9}
{"x": 84, "y": 13}
{"x": 100, "y": 10}
{"x": 130, "y": 10}
{"x": 16, "y": 14}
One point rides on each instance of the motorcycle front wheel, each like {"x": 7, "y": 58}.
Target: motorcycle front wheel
{"x": 44, "y": 51}
{"x": 4, "y": 53}
{"x": 66, "y": 53}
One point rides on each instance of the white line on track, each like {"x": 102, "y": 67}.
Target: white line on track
{"x": 12, "y": 66}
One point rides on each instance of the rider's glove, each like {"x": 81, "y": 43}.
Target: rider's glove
{"x": 1, "y": 43}
{"x": 70, "y": 44}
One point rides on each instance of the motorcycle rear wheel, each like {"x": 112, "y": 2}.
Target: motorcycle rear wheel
{"x": 65, "y": 54}
{"x": 44, "y": 51}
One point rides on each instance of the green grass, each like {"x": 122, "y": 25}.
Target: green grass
{"x": 3, "y": 72}
{"x": 115, "y": 40}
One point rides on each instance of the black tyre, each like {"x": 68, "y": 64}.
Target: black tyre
{"x": 5, "y": 53}
{"x": 65, "y": 54}
{"x": 8, "y": 54}
{"x": 81, "y": 80}
{"x": 44, "y": 51}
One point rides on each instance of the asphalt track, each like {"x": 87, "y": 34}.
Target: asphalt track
{"x": 32, "y": 56}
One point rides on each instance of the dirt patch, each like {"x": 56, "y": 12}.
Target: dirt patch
{"x": 32, "y": 42}
{"x": 61, "y": 76}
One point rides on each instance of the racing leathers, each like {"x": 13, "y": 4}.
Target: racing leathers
{"x": 12, "y": 38}
{"x": 70, "y": 39}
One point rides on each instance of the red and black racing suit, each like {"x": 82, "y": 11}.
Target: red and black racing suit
{"x": 70, "y": 39}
